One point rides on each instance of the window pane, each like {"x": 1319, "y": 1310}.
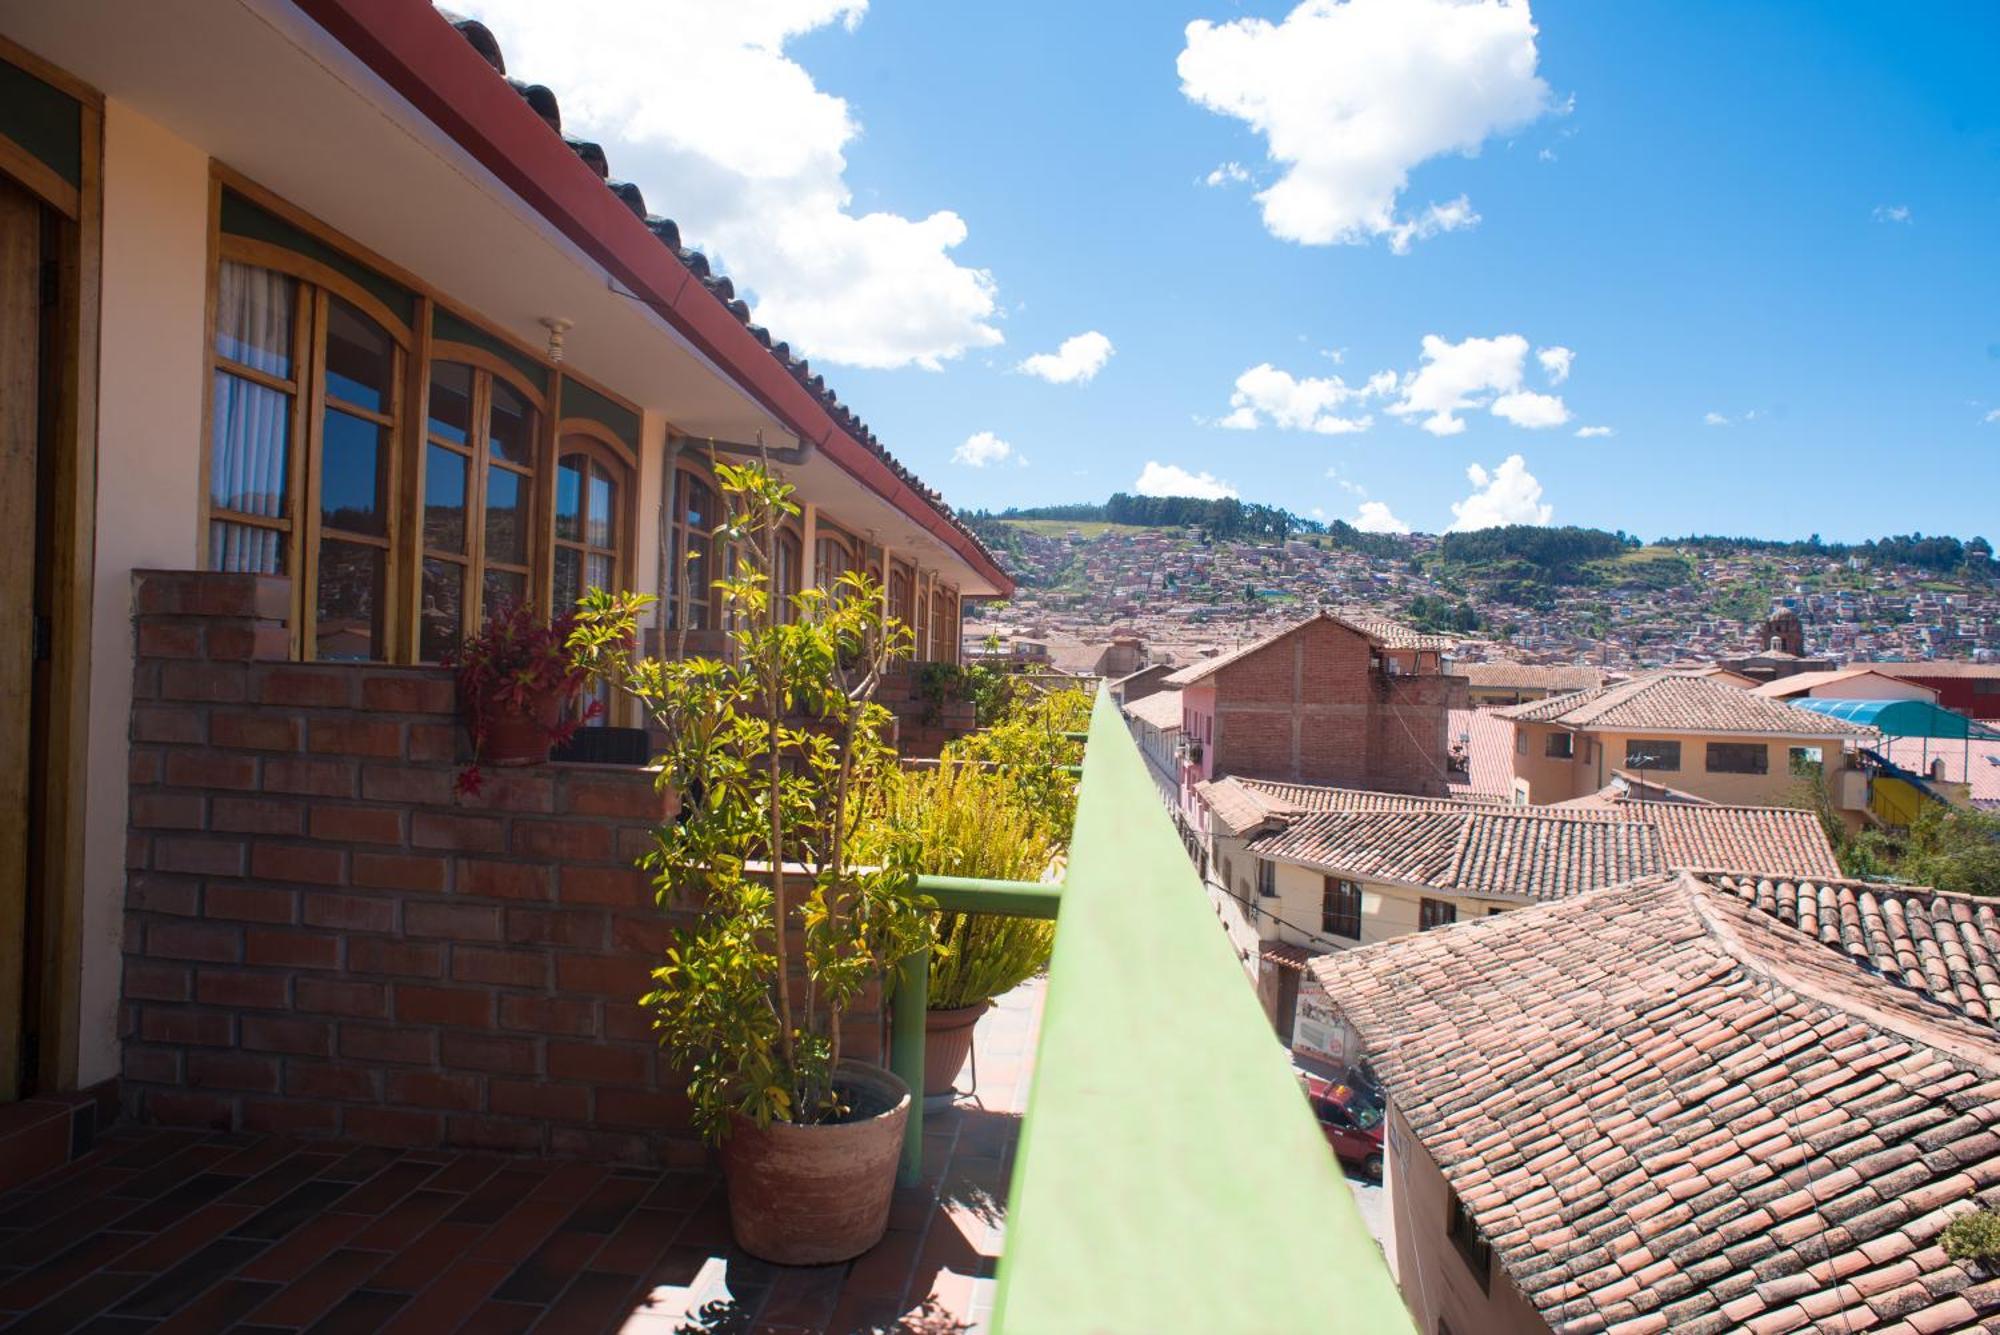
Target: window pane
{"x": 1646, "y": 753}
{"x": 503, "y": 588}
{"x": 506, "y": 516}
{"x": 511, "y": 426}
{"x": 444, "y": 499}
{"x": 251, "y": 438}
{"x": 569, "y": 497}
{"x": 441, "y": 624}
{"x": 360, "y": 358}
{"x": 253, "y": 318}
{"x": 603, "y": 508}
{"x": 569, "y": 578}
{"x": 245, "y": 550}
{"x": 351, "y": 474}
{"x": 350, "y": 601}
{"x": 451, "y": 401}
{"x": 597, "y": 571}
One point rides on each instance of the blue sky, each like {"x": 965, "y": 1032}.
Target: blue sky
{"x": 1764, "y": 234}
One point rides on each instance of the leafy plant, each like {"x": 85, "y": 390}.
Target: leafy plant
{"x": 987, "y": 689}
{"x": 777, "y": 753}
{"x": 965, "y": 820}
{"x": 1029, "y": 749}
{"x": 518, "y": 663}
{"x": 1973, "y": 1237}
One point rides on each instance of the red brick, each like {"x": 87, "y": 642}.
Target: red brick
{"x": 172, "y": 1107}
{"x": 617, "y": 887}
{"x": 168, "y": 723}
{"x": 400, "y": 871}
{"x": 242, "y": 903}
{"x": 599, "y": 1063}
{"x": 253, "y": 730}
{"x": 364, "y": 1042}
{"x": 168, "y": 639}
{"x": 256, "y": 815}
{"x": 566, "y": 927}
{"x": 326, "y": 687}
{"x": 198, "y": 855}
{"x": 639, "y": 1108}
{"x": 312, "y": 778}
{"x": 195, "y": 1028}
{"x": 314, "y": 1080}
{"x": 502, "y": 880}
{"x": 394, "y": 1126}
{"x": 434, "y": 741}
{"x": 153, "y": 1066}
{"x": 211, "y": 593}
{"x": 468, "y": 1008}
{"x": 626, "y": 1021}
{"x": 462, "y": 834}
{"x": 491, "y": 1133}
{"x": 562, "y": 840}
{"x": 516, "y": 790}
{"x": 330, "y": 996}
{"x": 270, "y": 1033}
{"x": 462, "y": 922}
{"x": 143, "y": 769}
{"x": 193, "y": 941}
{"x": 353, "y": 913}
{"x": 297, "y": 862}
{"x": 284, "y": 1117}
{"x": 147, "y": 981}
{"x": 633, "y": 798}
{"x": 428, "y": 693}
{"x": 228, "y": 987}
{"x": 244, "y": 641}
{"x": 232, "y": 1070}
{"x": 355, "y": 737}
{"x": 641, "y": 934}
{"x": 477, "y": 1052}
{"x": 169, "y": 811}
{"x": 296, "y": 950}
{"x": 148, "y": 893}
{"x": 416, "y": 959}
{"x": 358, "y": 825}
{"x": 400, "y": 783}
{"x": 548, "y": 1015}
{"x": 521, "y": 1098}
{"x": 432, "y": 1089}
{"x": 221, "y": 683}
{"x": 605, "y": 976}
{"x": 502, "y": 968}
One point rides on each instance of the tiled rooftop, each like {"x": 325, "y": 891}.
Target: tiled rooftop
{"x": 1666, "y": 1106}
{"x": 1506, "y": 674}
{"x": 1162, "y": 709}
{"x": 1674, "y": 702}
{"x": 180, "y": 1230}
{"x": 1386, "y": 633}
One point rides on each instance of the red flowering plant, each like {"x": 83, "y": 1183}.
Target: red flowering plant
{"x": 518, "y": 672}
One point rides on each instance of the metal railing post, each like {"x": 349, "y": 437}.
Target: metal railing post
{"x": 906, "y": 1055}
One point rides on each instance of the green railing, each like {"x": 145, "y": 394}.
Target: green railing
{"x": 1168, "y": 1175}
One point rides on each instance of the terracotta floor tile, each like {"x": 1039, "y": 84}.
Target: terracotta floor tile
{"x": 422, "y": 1261}
{"x": 596, "y": 1301}
{"x": 318, "y": 1290}
{"x": 219, "y": 1308}
{"x": 404, "y": 1224}
{"x": 456, "y": 1292}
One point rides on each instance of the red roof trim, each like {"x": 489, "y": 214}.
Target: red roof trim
{"x": 418, "y": 53}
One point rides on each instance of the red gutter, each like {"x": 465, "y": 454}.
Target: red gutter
{"x": 413, "y": 49}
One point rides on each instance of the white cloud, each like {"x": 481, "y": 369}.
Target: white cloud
{"x": 1229, "y": 173}
{"x": 1375, "y": 517}
{"x": 1474, "y": 373}
{"x": 1593, "y": 432}
{"x": 1077, "y": 361}
{"x": 1993, "y": 416}
{"x": 1350, "y": 95}
{"x": 1555, "y": 363}
{"x": 1714, "y": 419}
{"x": 1507, "y": 495}
{"x": 731, "y": 137}
{"x": 1309, "y": 403}
{"x": 1525, "y": 408}
{"x": 1893, "y": 213}
{"x": 1158, "y": 479}
{"x": 983, "y": 448}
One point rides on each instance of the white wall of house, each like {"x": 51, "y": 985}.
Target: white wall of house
{"x": 1388, "y": 910}
{"x": 150, "y": 385}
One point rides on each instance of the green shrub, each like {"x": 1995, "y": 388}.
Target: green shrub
{"x": 1973, "y": 1237}
{"x": 1029, "y": 749}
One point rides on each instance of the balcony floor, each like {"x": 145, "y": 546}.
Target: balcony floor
{"x": 164, "y": 1230}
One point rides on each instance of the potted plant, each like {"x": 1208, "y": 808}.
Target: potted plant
{"x": 518, "y": 685}
{"x": 779, "y": 750}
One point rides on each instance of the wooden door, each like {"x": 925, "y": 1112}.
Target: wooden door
{"x": 21, "y": 293}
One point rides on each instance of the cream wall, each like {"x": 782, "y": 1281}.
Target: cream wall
{"x": 1552, "y": 780}
{"x": 1387, "y": 910}
{"x": 150, "y": 390}
{"x": 1437, "y": 1282}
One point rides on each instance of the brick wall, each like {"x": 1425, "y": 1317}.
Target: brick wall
{"x": 321, "y": 939}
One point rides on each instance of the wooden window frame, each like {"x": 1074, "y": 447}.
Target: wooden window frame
{"x": 1650, "y": 745}
{"x": 1338, "y": 889}
{"x": 680, "y": 542}
{"x": 602, "y": 447}
{"x": 1761, "y": 750}
{"x": 1432, "y": 913}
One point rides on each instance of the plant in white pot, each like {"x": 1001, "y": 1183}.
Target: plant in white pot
{"x": 777, "y": 752}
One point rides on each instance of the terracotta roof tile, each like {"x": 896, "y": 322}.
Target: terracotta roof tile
{"x": 1162, "y": 709}
{"x": 1673, "y": 702}
{"x": 1676, "y": 1079}
{"x": 1505, "y": 674}
{"x": 1389, "y": 634}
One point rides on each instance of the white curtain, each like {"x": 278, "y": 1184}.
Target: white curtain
{"x": 251, "y": 423}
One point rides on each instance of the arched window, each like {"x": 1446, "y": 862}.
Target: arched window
{"x": 482, "y": 444}
{"x": 785, "y": 574}
{"x": 306, "y": 386}
{"x": 899, "y": 597}
{"x": 593, "y": 495}
{"x": 697, "y": 514}
{"x": 833, "y": 556}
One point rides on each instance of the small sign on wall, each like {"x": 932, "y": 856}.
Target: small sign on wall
{"x": 1317, "y": 1030}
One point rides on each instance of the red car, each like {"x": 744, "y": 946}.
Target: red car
{"x": 1351, "y": 1124}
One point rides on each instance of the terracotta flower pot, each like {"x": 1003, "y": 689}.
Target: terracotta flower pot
{"x": 814, "y": 1195}
{"x": 947, "y": 1043}
{"x": 520, "y": 736}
